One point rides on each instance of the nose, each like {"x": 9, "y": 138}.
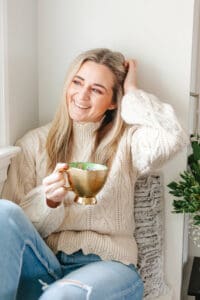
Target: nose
{"x": 84, "y": 94}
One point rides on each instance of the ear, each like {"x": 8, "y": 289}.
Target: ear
{"x": 112, "y": 106}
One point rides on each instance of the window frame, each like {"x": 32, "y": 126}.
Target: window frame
{"x": 4, "y": 99}
{"x": 6, "y": 152}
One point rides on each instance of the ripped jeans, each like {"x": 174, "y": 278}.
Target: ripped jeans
{"x": 30, "y": 270}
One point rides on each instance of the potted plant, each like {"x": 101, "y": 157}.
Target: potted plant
{"x": 187, "y": 189}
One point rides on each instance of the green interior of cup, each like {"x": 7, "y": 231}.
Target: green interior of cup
{"x": 88, "y": 166}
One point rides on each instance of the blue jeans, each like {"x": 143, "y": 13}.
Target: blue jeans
{"x": 30, "y": 270}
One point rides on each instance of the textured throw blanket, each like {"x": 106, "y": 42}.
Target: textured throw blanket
{"x": 149, "y": 234}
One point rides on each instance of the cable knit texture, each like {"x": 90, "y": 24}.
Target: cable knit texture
{"x": 152, "y": 136}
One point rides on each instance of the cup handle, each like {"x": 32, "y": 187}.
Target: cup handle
{"x": 67, "y": 188}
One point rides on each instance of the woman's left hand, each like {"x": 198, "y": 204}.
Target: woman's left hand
{"x": 130, "y": 80}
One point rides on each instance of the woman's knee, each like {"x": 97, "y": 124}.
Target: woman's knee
{"x": 67, "y": 289}
{"x": 9, "y": 207}
{"x": 9, "y": 212}
{"x": 71, "y": 289}
{"x": 118, "y": 282}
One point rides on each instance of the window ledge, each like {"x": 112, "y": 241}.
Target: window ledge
{"x": 6, "y": 153}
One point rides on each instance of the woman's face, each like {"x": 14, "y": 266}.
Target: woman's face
{"x": 90, "y": 93}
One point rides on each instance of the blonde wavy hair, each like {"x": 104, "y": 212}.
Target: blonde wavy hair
{"x": 59, "y": 139}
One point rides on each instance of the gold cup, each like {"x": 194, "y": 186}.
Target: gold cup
{"x": 86, "y": 180}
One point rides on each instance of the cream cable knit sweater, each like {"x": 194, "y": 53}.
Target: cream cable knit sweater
{"x": 105, "y": 229}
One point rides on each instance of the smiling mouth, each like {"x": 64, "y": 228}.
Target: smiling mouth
{"x": 81, "y": 106}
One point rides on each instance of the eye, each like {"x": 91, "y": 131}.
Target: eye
{"x": 97, "y": 91}
{"x": 76, "y": 82}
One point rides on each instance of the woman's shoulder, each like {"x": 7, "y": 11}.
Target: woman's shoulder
{"x": 35, "y": 136}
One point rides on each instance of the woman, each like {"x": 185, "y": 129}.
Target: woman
{"x": 89, "y": 251}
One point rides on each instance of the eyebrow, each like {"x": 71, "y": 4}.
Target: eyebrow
{"x": 96, "y": 84}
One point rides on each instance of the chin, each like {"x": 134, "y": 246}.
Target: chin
{"x": 78, "y": 118}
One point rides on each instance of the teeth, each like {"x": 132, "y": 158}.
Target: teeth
{"x": 81, "y": 106}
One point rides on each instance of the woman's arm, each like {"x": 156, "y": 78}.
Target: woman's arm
{"x": 21, "y": 188}
{"x": 159, "y": 135}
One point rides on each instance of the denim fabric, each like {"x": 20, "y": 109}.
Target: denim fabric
{"x": 30, "y": 270}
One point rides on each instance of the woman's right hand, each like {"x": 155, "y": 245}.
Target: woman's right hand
{"x": 130, "y": 84}
{"x": 54, "y": 185}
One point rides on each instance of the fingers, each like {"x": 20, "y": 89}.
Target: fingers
{"x": 53, "y": 178}
{"x": 54, "y": 184}
{"x": 57, "y": 195}
{"x": 130, "y": 82}
{"x": 57, "y": 175}
{"x": 61, "y": 167}
{"x": 130, "y": 63}
{"x": 50, "y": 188}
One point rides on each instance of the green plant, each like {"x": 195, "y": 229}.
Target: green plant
{"x": 188, "y": 187}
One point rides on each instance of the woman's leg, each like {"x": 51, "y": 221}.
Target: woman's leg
{"x": 24, "y": 256}
{"x": 96, "y": 281}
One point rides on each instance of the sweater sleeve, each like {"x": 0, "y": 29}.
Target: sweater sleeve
{"x": 21, "y": 188}
{"x": 159, "y": 135}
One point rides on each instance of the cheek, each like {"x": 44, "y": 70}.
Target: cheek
{"x": 100, "y": 108}
{"x": 105, "y": 103}
{"x": 70, "y": 91}
{"x": 68, "y": 97}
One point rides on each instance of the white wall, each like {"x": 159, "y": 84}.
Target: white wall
{"x": 22, "y": 85}
{"x": 193, "y": 250}
{"x": 158, "y": 34}
{"x": 18, "y": 76}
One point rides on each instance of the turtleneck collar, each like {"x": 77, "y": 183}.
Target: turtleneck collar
{"x": 86, "y": 125}
{"x": 83, "y": 140}
{"x": 84, "y": 132}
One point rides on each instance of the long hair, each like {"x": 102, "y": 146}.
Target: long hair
{"x": 59, "y": 139}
